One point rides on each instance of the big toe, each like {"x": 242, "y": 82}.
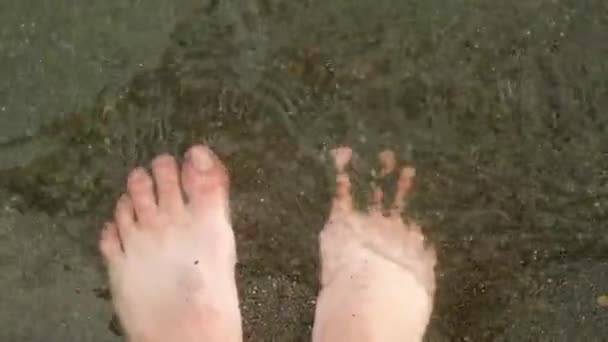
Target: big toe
{"x": 205, "y": 181}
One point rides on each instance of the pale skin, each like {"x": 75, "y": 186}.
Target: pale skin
{"x": 170, "y": 254}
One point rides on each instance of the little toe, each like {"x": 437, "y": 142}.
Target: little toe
{"x": 141, "y": 190}
{"x": 109, "y": 244}
{"x": 205, "y": 180}
{"x": 165, "y": 171}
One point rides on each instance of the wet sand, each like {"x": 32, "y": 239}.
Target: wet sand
{"x": 498, "y": 107}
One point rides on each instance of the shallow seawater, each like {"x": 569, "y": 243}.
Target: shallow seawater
{"x": 499, "y": 106}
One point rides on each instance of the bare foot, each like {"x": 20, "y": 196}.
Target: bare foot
{"x": 377, "y": 274}
{"x": 171, "y": 262}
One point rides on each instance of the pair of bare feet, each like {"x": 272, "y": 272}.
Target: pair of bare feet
{"x": 170, "y": 254}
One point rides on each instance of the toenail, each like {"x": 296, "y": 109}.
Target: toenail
{"x": 163, "y": 160}
{"x": 138, "y": 173}
{"x": 201, "y": 159}
{"x": 409, "y": 172}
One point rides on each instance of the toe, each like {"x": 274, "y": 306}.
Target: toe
{"x": 205, "y": 179}
{"x": 141, "y": 191}
{"x": 388, "y": 162}
{"x": 343, "y": 200}
{"x": 404, "y": 185}
{"x": 164, "y": 169}
{"x": 124, "y": 214}
{"x": 342, "y": 156}
{"x": 375, "y": 206}
{"x": 109, "y": 244}
{"x": 124, "y": 218}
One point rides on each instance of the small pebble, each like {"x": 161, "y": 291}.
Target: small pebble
{"x": 602, "y": 301}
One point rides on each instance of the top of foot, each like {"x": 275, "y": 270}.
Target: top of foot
{"x": 170, "y": 252}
